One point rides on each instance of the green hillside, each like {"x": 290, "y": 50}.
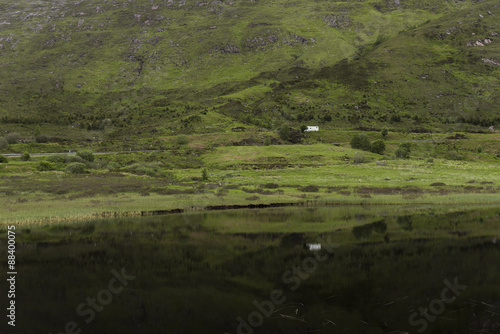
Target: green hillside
{"x": 99, "y": 68}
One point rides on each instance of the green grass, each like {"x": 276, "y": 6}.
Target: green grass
{"x": 255, "y": 63}
{"x": 240, "y": 175}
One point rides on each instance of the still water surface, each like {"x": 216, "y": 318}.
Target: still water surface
{"x": 373, "y": 270}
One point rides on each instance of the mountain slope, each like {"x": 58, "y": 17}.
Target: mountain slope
{"x": 109, "y": 64}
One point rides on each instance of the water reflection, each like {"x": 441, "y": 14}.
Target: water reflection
{"x": 379, "y": 270}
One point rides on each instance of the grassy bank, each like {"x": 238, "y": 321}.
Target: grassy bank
{"x": 126, "y": 184}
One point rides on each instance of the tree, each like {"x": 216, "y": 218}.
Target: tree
{"x": 25, "y": 156}
{"x": 303, "y": 128}
{"x": 378, "y": 147}
{"x": 402, "y": 152}
{"x": 361, "y": 141}
{"x": 204, "y": 175}
{"x": 76, "y": 168}
{"x": 384, "y": 132}
{"x": 3, "y": 159}
{"x": 284, "y": 132}
{"x": 45, "y": 166}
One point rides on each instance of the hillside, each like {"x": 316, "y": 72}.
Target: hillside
{"x": 163, "y": 67}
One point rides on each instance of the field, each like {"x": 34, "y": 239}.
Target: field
{"x": 188, "y": 176}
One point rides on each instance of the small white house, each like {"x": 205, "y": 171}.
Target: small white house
{"x": 313, "y": 247}
{"x": 312, "y": 128}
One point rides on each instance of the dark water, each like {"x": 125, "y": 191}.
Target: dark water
{"x": 379, "y": 270}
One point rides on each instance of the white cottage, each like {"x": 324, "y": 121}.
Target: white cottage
{"x": 312, "y": 128}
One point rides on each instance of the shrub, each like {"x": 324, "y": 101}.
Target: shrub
{"x": 453, "y": 155}
{"x": 3, "y": 159}
{"x": 252, "y": 198}
{"x": 359, "y": 158}
{"x": 378, "y": 147}
{"x": 310, "y": 189}
{"x": 406, "y": 146}
{"x": 204, "y": 175}
{"x": 384, "y": 132}
{"x": 303, "y": 128}
{"x": 142, "y": 169}
{"x": 479, "y": 149}
{"x": 76, "y": 168}
{"x": 25, "y": 156}
{"x": 402, "y": 152}
{"x": 327, "y": 118}
{"x": 181, "y": 140}
{"x": 113, "y": 166}
{"x": 37, "y": 131}
{"x": 267, "y": 141}
{"x": 56, "y": 158}
{"x": 361, "y": 141}
{"x": 270, "y": 185}
{"x": 3, "y": 144}
{"x": 43, "y": 166}
{"x": 86, "y": 155}
{"x": 73, "y": 158}
{"x": 42, "y": 138}
{"x": 13, "y": 138}
{"x": 284, "y": 132}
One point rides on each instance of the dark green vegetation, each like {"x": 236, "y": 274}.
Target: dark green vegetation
{"x": 82, "y": 72}
{"x": 196, "y": 273}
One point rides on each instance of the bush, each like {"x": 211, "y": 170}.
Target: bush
{"x": 406, "y": 146}
{"x": 181, "y": 140}
{"x": 327, "y": 118}
{"x": 42, "y": 138}
{"x": 142, "y": 169}
{"x": 73, "y": 158}
{"x": 37, "y": 131}
{"x": 76, "y": 168}
{"x": 267, "y": 141}
{"x": 113, "y": 166}
{"x": 378, "y": 147}
{"x": 303, "y": 128}
{"x": 270, "y": 185}
{"x": 13, "y": 138}
{"x": 3, "y": 144}
{"x": 453, "y": 155}
{"x": 3, "y": 159}
{"x": 284, "y": 132}
{"x": 204, "y": 175}
{"x": 361, "y": 142}
{"x": 43, "y": 166}
{"x": 310, "y": 189}
{"x": 25, "y": 156}
{"x": 56, "y": 158}
{"x": 384, "y": 132}
{"x": 402, "y": 152}
{"x": 86, "y": 155}
{"x": 359, "y": 158}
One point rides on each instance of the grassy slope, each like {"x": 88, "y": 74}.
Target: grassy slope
{"x": 137, "y": 64}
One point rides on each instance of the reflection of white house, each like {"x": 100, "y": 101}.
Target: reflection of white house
{"x": 312, "y": 128}
{"x": 313, "y": 247}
